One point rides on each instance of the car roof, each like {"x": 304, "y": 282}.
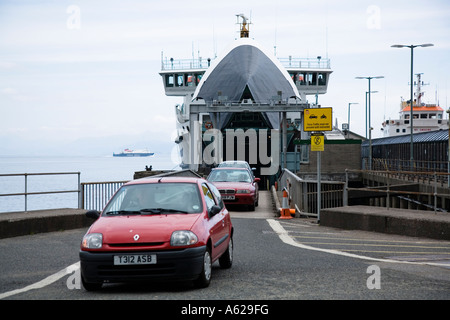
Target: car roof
{"x": 233, "y": 161}
{"x": 229, "y": 168}
{"x": 166, "y": 179}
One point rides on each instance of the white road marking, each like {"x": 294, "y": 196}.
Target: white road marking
{"x": 286, "y": 238}
{"x": 43, "y": 283}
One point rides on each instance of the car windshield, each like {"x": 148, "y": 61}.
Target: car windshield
{"x": 155, "y": 198}
{"x": 233, "y": 164}
{"x": 229, "y": 175}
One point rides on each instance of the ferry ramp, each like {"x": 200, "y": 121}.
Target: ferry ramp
{"x": 395, "y": 221}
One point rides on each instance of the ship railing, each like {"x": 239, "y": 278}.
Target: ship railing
{"x": 184, "y": 64}
{"x": 95, "y": 195}
{"x": 305, "y": 63}
{"x": 203, "y": 64}
{"x": 26, "y": 193}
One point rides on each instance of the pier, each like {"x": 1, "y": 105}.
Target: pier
{"x": 335, "y": 209}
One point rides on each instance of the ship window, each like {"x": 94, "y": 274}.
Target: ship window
{"x": 180, "y": 79}
{"x": 169, "y": 80}
{"x": 301, "y": 79}
{"x": 293, "y": 77}
{"x": 311, "y": 79}
{"x": 322, "y": 79}
{"x": 423, "y": 116}
{"x": 190, "y": 80}
{"x": 432, "y": 115}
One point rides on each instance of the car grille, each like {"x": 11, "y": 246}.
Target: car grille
{"x": 136, "y": 270}
{"x": 227, "y": 191}
{"x": 136, "y": 244}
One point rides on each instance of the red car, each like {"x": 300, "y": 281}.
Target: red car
{"x": 158, "y": 228}
{"x": 236, "y": 185}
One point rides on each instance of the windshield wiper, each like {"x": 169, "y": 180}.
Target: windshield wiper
{"x": 160, "y": 210}
{"x": 124, "y": 212}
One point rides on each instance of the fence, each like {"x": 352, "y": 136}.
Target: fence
{"x": 26, "y": 193}
{"x": 393, "y": 189}
{"x": 95, "y": 195}
{"x": 303, "y": 193}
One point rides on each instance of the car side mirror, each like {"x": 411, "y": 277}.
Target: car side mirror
{"x": 93, "y": 214}
{"x": 214, "y": 210}
{"x": 257, "y": 179}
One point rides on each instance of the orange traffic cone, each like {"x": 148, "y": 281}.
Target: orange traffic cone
{"x": 285, "y": 211}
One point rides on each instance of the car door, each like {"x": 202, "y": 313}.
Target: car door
{"x": 217, "y": 224}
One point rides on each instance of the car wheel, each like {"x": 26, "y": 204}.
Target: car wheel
{"x": 205, "y": 276}
{"x": 91, "y": 286}
{"x": 226, "y": 260}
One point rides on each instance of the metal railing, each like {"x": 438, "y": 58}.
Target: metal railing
{"x": 391, "y": 183}
{"x": 203, "y": 64}
{"x": 303, "y": 193}
{"x": 26, "y": 193}
{"x": 95, "y": 195}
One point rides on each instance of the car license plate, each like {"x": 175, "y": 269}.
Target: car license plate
{"x": 228, "y": 197}
{"x": 135, "y": 259}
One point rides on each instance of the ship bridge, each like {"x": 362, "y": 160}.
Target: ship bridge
{"x": 245, "y": 88}
{"x": 182, "y": 76}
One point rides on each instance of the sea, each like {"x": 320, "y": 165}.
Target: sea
{"x": 91, "y": 168}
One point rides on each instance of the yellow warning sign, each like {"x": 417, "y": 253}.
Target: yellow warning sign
{"x": 317, "y": 142}
{"x": 318, "y": 119}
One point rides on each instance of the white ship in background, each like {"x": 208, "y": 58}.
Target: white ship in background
{"x": 426, "y": 117}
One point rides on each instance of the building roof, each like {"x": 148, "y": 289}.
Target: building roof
{"x": 430, "y": 136}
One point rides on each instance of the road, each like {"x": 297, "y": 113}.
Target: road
{"x": 274, "y": 260}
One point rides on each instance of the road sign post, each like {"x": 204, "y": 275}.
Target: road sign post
{"x": 318, "y": 120}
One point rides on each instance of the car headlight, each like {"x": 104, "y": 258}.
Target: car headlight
{"x": 92, "y": 241}
{"x": 183, "y": 238}
{"x": 243, "y": 191}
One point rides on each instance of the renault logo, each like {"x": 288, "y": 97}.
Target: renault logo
{"x": 136, "y": 237}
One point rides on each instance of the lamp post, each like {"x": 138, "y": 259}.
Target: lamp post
{"x": 350, "y": 103}
{"x": 366, "y": 108}
{"x": 412, "y": 46}
{"x": 448, "y": 154}
{"x": 370, "y": 127}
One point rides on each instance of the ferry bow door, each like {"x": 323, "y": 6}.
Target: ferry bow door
{"x": 247, "y": 136}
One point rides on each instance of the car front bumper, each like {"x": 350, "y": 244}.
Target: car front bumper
{"x": 183, "y": 264}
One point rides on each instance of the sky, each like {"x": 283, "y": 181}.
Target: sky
{"x": 81, "y": 76}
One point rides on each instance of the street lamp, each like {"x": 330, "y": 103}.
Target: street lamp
{"x": 350, "y": 103}
{"x": 412, "y": 46}
{"x": 366, "y": 108}
{"x": 370, "y": 127}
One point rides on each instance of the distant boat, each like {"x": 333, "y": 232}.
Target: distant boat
{"x": 426, "y": 116}
{"x": 134, "y": 153}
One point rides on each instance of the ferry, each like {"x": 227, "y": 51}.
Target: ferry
{"x": 426, "y": 117}
{"x": 245, "y": 88}
{"x": 134, "y": 153}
